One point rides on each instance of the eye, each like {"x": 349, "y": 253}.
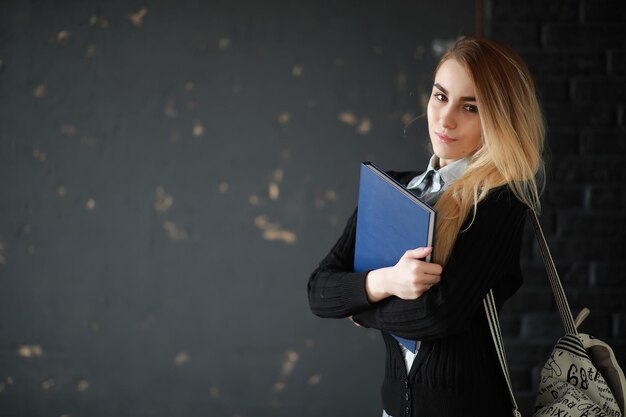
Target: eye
{"x": 471, "y": 108}
{"x": 440, "y": 96}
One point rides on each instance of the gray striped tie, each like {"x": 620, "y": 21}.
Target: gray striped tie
{"x": 432, "y": 182}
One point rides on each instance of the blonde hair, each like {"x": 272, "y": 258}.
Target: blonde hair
{"x": 512, "y": 131}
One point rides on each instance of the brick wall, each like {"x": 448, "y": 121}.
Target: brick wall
{"x": 576, "y": 50}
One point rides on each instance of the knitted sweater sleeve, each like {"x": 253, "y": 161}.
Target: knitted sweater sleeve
{"x": 483, "y": 256}
{"x": 335, "y": 290}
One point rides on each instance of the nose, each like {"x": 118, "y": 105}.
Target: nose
{"x": 447, "y": 118}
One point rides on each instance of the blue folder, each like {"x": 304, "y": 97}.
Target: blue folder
{"x": 390, "y": 221}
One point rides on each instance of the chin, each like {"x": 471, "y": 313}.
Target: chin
{"x": 442, "y": 154}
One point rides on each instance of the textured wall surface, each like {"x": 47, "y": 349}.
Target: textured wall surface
{"x": 576, "y": 50}
{"x": 171, "y": 172}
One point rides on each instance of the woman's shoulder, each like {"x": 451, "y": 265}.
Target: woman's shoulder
{"x": 499, "y": 208}
{"x": 503, "y": 197}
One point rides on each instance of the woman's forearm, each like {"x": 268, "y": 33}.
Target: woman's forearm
{"x": 375, "y": 285}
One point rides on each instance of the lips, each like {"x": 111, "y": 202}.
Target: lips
{"x": 445, "y": 138}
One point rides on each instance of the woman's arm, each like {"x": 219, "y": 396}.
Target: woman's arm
{"x": 482, "y": 256}
{"x": 335, "y": 290}
{"x": 408, "y": 279}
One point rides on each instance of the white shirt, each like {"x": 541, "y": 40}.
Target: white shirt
{"x": 450, "y": 173}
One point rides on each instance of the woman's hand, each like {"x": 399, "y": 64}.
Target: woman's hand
{"x": 408, "y": 279}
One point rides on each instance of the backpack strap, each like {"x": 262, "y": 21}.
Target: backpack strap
{"x": 557, "y": 289}
{"x": 559, "y": 295}
{"x": 496, "y": 334}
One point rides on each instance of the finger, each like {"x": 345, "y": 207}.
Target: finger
{"x": 354, "y": 322}
{"x": 426, "y": 280}
{"x": 431, "y": 279}
{"x": 426, "y": 275}
{"x": 430, "y": 268}
{"x": 419, "y": 253}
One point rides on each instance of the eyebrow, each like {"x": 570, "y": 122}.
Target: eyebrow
{"x": 443, "y": 90}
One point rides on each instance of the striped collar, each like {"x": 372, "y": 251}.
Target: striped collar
{"x": 449, "y": 173}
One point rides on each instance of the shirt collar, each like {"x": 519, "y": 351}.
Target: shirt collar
{"x": 450, "y": 173}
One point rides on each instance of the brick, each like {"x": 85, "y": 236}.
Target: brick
{"x": 591, "y": 224}
{"x": 572, "y": 248}
{"x": 535, "y": 274}
{"x": 547, "y": 220}
{"x": 606, "y": 197}
{"x": 535, "y": 10}
{"x": 517, "y": 35}
{"x": 608, "y": 274}
{"x": 552, "y": 89}
{"x": 563, "y": 142}
{"x": 619, "y": 325}
{"x": 604, "y": 141}
{"x": 597, "y": 324}
{"x": 528, "y": 351}
{"x": 559, "y": 196}
{"x": 526, "y": 401}
{"x": 576, "y": 274}
{"x": 553, "y": 62}
{"x": 530, "y": 300}
{"x": 572, "y": 274}
{"x": 572, "y": 36}
{"x": 619, "y": 348}
{"x": 607, "y": 170}
{"x": 520, "y": 378}
{"x": 603, "y": 11}
{"x": 575, "y": 115}
{"x": 542, "y": 326}
{"x": 617, "y": 60}
{"x": 598, "y": 88}
{"x": 510, "y": 326}
{"x": 600, "y": 300}
{"x": 535, "y": 371}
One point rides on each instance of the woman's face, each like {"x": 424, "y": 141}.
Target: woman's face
{"x": 453, "y": 122}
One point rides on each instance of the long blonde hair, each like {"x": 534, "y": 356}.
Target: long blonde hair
{"x": 512, "y": 131}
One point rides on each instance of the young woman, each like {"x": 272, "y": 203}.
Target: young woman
{"x": 487, "y": 134}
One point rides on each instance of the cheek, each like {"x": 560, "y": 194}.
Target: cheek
{"x": 430, "y": 112}
{"x": 473, "y": 131}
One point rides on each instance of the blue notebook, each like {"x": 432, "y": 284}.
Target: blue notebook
{"x": 390, "y": 221}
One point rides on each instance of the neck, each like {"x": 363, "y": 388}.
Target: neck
{"x": 444, "y": 162}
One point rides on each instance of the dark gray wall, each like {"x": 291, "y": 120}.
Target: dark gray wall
{"x": 577, "y": 51}
{"x": 150, "y": 159}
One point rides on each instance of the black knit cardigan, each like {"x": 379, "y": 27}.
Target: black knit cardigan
{"x": 456, "y": 371}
